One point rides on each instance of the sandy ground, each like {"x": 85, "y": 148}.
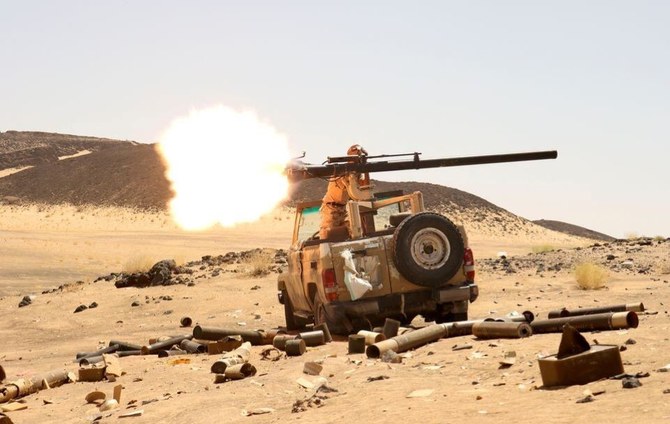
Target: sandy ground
{"x": 467, "y": 385}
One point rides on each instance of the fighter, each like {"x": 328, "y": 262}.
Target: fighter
{"x": 333, "y": 205}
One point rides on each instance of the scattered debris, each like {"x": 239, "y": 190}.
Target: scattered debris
{"x": 257, "y": 411}
{"x": 461, "y": 347}
{"x": 378, "y": 378}
{"x": 577, "y": 363}
{"x": 312, "y": 368}
{"x": 586, "y": 399}
{"x": 420, "y": 393}
{"x": 272, "y": 354}
{"x": 509, "y": 359}
{"x": 135, "y": 413}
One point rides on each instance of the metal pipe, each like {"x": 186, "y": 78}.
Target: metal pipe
{"x": 371, "y": 337}
{"x": 192, "y": 347}
{"x": 240, "y": 371}
{"x": 390, "y": 328}
{"x": 408, "y": 341}
{"x": 90, "y": 360}
{"x": 595, "y": 322}
{"x": 295, "y": 347}
{"x": 326, "y": 331}
{"x": 209, "y": 333}
{"x": 125, "y": 345}
{"x": 129, "y": 353}
{"x": 155, "y": 347}
{"x": 496, "y": 330}
{"x": 170, "y": 352}
{"x": 313, "y": 338}
{"x": 234, "y": 357}
{"x": 109, "y": 349}
{"x": 564, "y": 312}
{"x": 26, "y": 386}
{"x": 280, "y": 340}
{"x": 356, "y": 343}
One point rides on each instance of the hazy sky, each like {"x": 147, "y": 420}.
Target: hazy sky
{"x": 590, "y": 79}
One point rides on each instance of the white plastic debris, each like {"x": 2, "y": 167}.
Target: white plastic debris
{"x": 357, "y": 286}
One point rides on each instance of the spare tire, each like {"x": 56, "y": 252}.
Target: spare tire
{"x": 427, "y": 249}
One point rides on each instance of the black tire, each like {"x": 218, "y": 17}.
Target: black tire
{"x": 336, "y": 324}
{"x": 427, "y": 249}
{"x": 291, "y": 323}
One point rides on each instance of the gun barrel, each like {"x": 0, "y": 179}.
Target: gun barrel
{"x": 299, "y": 173}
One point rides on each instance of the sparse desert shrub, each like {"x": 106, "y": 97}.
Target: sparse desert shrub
{"x": 543, "y": 248}
{"x": 260, "y": 263}
{"x": 659, "y": 238}
{"x": 139, "y": 263}
{"x": 590, "y": 276}
{"x": 632, "y": 236}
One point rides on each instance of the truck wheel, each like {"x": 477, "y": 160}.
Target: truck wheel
{"x": 336, "y": 324}
{"x": 288, "y": 313}
{"x": 427, "y": 249}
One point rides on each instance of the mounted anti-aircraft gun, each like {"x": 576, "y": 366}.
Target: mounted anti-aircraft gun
{"x": 370, "y": 256}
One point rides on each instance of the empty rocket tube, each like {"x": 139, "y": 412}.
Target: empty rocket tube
{"x": 564, "y": 312}
{"x": 215, "y": 334}
{"x": 155, "y": 347}
{"x": 108, "y": 349}
{"x": 371, "y": 337}
{"x": 498, "y": 330}
{"x": 280, "y": 340}
{"x": 170, "y": 352}
{"x": 240, "y": 371}
{"x": 123, "y": 353}
{"x": 90, "y": 360}
{"x": 234, "y": 357}
{"x": 595, "y": 322}
{"x": 326, "y": 331}
{"x": 390, "y": 328}
{"x": 295, "y": 347}
{"x": 192, "y": 347}
{"x": 356, "y": 343}
{"x": 26, "y": 386}
{"x": 313, "y": 338}
{"x": 268, "y": 336}
{"x": 186, "y": 321}
{"x": 408, "y": 341}
{"x": 125, "y": 345}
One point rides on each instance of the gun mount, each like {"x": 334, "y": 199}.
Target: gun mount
{"x": 357, "y": 167}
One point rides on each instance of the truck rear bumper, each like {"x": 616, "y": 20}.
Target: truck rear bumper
{"x": 411, "y": 303}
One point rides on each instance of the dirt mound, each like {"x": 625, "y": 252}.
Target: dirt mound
{"x": 124, "y": 175}
{"x": 575, "y": 230}
{"x": 25, "y": 148}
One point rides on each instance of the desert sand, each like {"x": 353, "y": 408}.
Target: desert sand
{"x": 43, "y": 247}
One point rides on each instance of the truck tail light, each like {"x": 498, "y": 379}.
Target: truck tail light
{"x": 329, "y": 284}
{"x": 469, "y": 265}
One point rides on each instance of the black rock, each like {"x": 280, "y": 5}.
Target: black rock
{"x": 630, "y": 342}
{"x": 80, "y": 308}
{"x": 135, "y": 303}
{"x": 93, "y": 305}
{"x": 27, "y": 300}
{"x": 630, "y": 383}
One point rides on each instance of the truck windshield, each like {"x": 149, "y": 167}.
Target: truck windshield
{"x": 310, "y": 221}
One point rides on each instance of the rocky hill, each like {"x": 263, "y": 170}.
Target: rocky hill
{"x": 575, "y": 230}
{"x": 118, "y": 173}
{"x": 29, "y": 148}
